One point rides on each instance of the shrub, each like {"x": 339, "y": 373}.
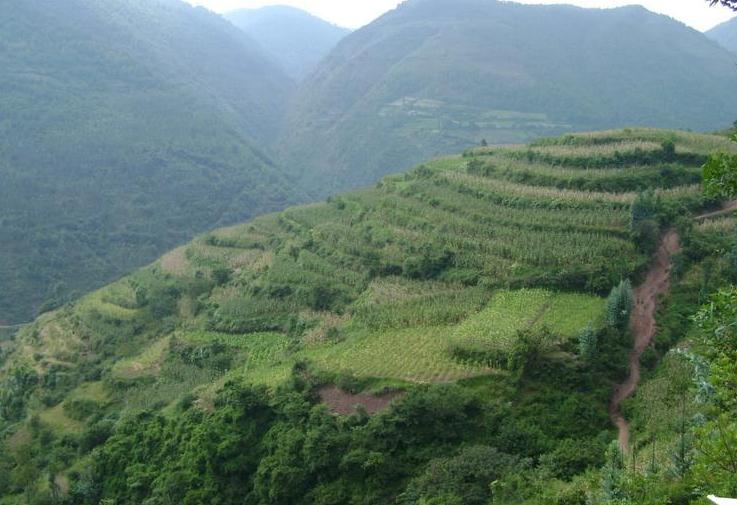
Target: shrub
{"x": 80, "y": 409}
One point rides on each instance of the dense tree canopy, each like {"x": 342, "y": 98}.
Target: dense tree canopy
{"x": 113, "y": 150}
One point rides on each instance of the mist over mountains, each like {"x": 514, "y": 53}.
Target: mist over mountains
{"x": 436, "y": 76}
{"x": 532, "y": 315}
{"x": 129, "y": 125}
{"x": 298, "y": 41}
{"x": 725, "y": 34}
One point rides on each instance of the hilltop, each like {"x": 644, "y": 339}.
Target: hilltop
{"x": 437, "y": 76}
{"x": 127, "y": 128}
{"x": 459, "y": 292}
{"x": 294, "y": 38}
{"x": 725, "y": 34}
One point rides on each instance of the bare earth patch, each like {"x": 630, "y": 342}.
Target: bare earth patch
{"x": 344, "y": 403}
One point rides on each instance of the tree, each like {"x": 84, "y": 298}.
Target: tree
{"x": 720, "y": 176}
{"x": 612, "y": 475}
{"x": 730, "y": 4}
{"x": 619, "y": 305}
{"x": 588, "y": 343}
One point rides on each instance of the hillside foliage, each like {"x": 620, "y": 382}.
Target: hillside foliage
{"x": 470, "y": 290}
{"x": 437, "y": 76}
{"x": 127, "y": 127}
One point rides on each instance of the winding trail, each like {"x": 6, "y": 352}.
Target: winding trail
{"x": 643, "y": 323}
{"x": 644, "y": 328}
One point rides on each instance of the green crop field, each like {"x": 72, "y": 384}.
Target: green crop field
{"x": 485, "y": 270}
{"x": 458, "y": 255}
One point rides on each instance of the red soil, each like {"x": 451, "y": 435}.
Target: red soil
{"x": 644, "y": 327}
{"x": 643, "y": 324}
{"x": 344, "y": 403}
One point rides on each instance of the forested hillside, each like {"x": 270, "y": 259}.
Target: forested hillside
{"x": 725, "y": 34}
{"x": 294, "y": 38}
{"x": 437, "y": 76}
{"x": 127, "y": 126}
{"x": 463, "y": 303}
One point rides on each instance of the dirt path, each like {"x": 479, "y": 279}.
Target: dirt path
{"x": 643, "y": 322}
{"x": 729, "y": 207}
{"x": 644, "y": 328}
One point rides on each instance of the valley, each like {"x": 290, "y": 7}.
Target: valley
{"x": 253, "y": 257}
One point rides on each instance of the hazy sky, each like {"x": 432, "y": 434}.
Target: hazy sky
{"x": 356, "y": 13}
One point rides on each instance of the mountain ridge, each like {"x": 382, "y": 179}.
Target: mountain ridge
{"x": 433, "y": 77}
{"x": 295, "y": 38}
{"x": 155, "y": 119}
{"x": 725, "y": 34}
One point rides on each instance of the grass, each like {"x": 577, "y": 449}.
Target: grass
{"x": 509, "y": 312}
{"x": 412, "y": 354}
{"x": 384, "y": 282}
{"x": 56, "y": 418}
{"x": 146, "y": 364}
{"x": 419, "y": 353}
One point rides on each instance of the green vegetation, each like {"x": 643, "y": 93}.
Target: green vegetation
{"x": 438, "y": 76}
{"x": 720, "y": 174}
{"x": 127, "y": 128}
{"x": 619, "y": 305}
{"x": 475, "y": 299}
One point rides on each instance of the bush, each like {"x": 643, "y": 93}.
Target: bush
{"x": 80, "y": 409}
{"x": 429, "y": 264}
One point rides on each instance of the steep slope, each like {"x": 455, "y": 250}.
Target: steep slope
{"x": 479, "y": 269}
{"x": 127, "y": 126}
{"x": 437, "y": 76}
{"x": 293, "y": 37}
{"x": 725, "y": 34}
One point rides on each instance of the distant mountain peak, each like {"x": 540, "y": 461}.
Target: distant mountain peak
{"x": 294, "y": 38}
{"x": 437, "y": 76}
{"x": 725, "y": 34}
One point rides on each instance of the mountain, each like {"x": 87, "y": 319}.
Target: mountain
{"x": 293, "y": 37}
{"x": 438, "y": 76}
{"x": 450, "y": 301}
{"x": 127, "y": 127}
{"x": 725, "y": 34}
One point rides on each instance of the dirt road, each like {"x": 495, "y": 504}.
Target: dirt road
{"x": 643, "y": 322}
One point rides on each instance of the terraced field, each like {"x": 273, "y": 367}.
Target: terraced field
{"x": 397, "y": 282}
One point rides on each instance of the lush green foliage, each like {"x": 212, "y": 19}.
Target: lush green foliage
{"x": 619, "y": 305}
{"x": 149, "y": 390}
{"x": 683, "y": 431}
{"x": 127, "y": 127}
{"x": 438, "y": 76}
{"x": 720, "y": 175}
